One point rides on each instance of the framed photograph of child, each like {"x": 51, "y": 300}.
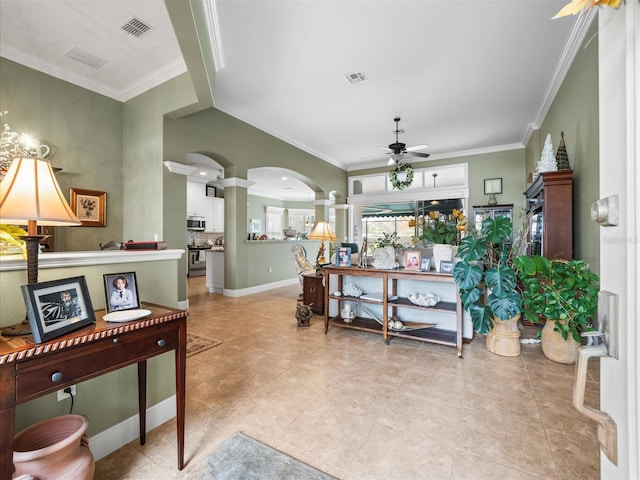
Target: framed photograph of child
{"x": 446, "y": 267}
{"x": 121, "y": 291}
{"x": 412, "y": 259}
{"x": 343, "y": 257}
{"x": 57, "y": 307}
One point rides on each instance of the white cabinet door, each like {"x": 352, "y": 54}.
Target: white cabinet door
{"x": 209, "y": 214}
{"x": 218, "y": 216}
{"x": 195, "y": 198}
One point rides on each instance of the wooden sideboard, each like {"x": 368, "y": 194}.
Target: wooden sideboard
{"x": 313, "y": 291}
{"x": 29, "y": 370}
{"x": 388, "y": 286}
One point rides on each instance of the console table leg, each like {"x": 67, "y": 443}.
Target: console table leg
{"x": 181, "y": 373}
{"x": 142, "y": 400}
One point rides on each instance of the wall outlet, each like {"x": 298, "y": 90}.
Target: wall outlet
{"x": 63, "y": 396}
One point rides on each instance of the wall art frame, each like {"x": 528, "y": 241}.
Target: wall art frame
{"x": 121, "y": 291}
{"x": 90, "y": 206}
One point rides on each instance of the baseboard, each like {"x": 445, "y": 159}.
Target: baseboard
{"x": 183, "y": 304}
{"x": 260, "y": 288}
{"x": 113, "y": 438}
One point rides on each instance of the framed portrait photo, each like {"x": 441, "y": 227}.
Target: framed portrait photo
{"x": 446, "y": 267}
{"x": 121, "y": 291}
{"x": 343, "y": 257}
{"x": 412, "y": 260}
{"x": 90, "y": 206}
{"x": 57, "y": 307}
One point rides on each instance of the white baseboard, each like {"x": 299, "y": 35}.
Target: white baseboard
{"x": 113, "y": 438}
{"x": 183, "y": 304}
{"x": 260, "y": 288}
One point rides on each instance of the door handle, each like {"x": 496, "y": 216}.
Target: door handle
{"x": 607, "y": 428}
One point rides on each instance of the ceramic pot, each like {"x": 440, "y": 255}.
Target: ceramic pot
{"x": 54, "y": 449}
{"x": 504, "y": 337}
{"x": 442, "y": 252}
{"x": 557, "y": 348}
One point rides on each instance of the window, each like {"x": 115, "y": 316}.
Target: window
{"x": 275, "y": 218}
{"x": 374, "y": 227}
{"x": 301, "y": 220}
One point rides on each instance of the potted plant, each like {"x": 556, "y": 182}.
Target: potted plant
{"x": 384, "y": 253}
{"x": 563, "y": 292}
{"x": 488, "y": 285}
{"x": 443, "y": 231}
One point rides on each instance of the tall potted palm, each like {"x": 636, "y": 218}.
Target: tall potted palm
{"x": 488, "y": 285}
{"x": 565, "y": 293}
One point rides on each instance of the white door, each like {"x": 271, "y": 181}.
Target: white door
{"x": 619, "y": 75}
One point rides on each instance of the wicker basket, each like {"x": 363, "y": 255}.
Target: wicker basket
{"x": 504, "y": 337}
{"x": 557, "y": 348}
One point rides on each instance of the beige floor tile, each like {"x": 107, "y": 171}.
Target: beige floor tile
{"x": 359, "y": 409}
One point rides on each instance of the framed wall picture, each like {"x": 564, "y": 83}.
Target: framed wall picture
{"x": 57, "y": 307}
{"x": 446, "y": 267}
{"x": 121, "y": 291}
{"x": 343, "y": 257}
{"x": 492, "y": 186}
{"x": 210, "y": 191}
{"x": 412, "y": 259}
{"x": 90, "y": 206}
{"x": 255, "y": 225}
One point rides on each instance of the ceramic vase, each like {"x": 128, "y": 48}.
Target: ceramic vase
{"x": 556, "y": 348}
{"x": 442, "y": 252}
{"x": 504, "y": 337}
{"x": 54, "y": 449}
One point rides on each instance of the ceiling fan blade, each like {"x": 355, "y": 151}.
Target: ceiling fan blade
{"x": 418, "y": 154}
{"x": 417, "y": 147}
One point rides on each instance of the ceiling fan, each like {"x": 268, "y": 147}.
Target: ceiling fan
{"x": 399, "y": 150}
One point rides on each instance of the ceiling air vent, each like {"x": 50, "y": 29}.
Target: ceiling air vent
{"x": 356, "y": 77}
{"x": 136, "y": 27}
{"x": 81, "y": 56}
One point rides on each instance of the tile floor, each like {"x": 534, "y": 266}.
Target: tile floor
{"x": 358, "y": 409}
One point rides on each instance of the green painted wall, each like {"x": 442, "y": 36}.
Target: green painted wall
{"x": 575, "y": 111}
{"x": 83, "y": 130}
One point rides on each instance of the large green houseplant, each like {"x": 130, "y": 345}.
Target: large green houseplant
{"x": 563, "y": 292}
{"x": 485, "y": 267}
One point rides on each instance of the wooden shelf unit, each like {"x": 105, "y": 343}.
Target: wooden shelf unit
{"x": 389, "y": 284}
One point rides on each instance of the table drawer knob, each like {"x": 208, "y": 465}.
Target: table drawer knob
{"x": 162, "y": 342}
{"x": 116, "y": 340}
{"x": 57, "y": 377}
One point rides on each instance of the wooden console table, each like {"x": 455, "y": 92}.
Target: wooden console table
{"x": 29, "y": 370}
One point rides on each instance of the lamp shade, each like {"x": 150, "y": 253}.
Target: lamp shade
{"x": 29, "y": 192}
{"x": 322, "y": 231}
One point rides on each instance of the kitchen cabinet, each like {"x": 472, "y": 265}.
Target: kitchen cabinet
{"x": 550, "y": 210}
{"x": 196, "y": 199}
{"x": 393, "y": 289}
{"x": 214, "y": 214}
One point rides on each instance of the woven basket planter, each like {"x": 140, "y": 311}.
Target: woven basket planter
{"x": 557, "y": 348}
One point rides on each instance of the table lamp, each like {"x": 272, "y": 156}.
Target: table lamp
{"x": 30, "y": 195}
{"x": 322, "y": 231}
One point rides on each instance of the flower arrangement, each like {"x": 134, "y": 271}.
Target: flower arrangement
{"x": 388, "y": 239}
{"x": 10, "y": 240}
{"x": 441, "y": 228}
{"x": 576, "y": 6}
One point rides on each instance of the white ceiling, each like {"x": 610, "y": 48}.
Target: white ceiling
{"x": 464, "y": 76}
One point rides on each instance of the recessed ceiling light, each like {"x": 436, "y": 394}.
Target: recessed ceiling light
{"x": 203, "y": 173}
{"x": 285, "y": 178}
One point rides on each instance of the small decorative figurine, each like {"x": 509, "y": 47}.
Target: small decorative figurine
{"x": 303, "y": 314}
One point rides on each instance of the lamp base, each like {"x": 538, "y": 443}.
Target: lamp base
{"x": 17, "y": 330}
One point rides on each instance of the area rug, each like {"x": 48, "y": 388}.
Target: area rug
{"x": 197, "y": 344}
{"x": 243, "y": 457}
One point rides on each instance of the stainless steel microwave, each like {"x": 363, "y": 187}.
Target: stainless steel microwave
{"x": 195, "y": 223}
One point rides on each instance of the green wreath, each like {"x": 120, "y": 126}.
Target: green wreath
{"x": 399, "y": 169}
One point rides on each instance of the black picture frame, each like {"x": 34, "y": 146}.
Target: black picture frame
{"x": 492, "y": 186}
{"x": 210, "y": 191}
{"x": 343, "y": 257}
{"x": 121, "y": 299}
{"x": 446, "y": 267}
{"x": 57, "y": 307}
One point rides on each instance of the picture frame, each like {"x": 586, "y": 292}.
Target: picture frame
{"x": 121, "y": 291}
{"x": 255, "y": 225}
{"x": 57, "y": 307}
{"x": 446, "y": 267}
{"x": 412, "y": 259}
{"x": 492, "y": 186}
{"x": 343, "y": 257}
{"x": 425, "y": 264}
{"x": 90, "y": 206}
{"x": 210, "y": 191}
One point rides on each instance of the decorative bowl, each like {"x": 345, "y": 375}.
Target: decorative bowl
{"x": 423, "y": 300}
